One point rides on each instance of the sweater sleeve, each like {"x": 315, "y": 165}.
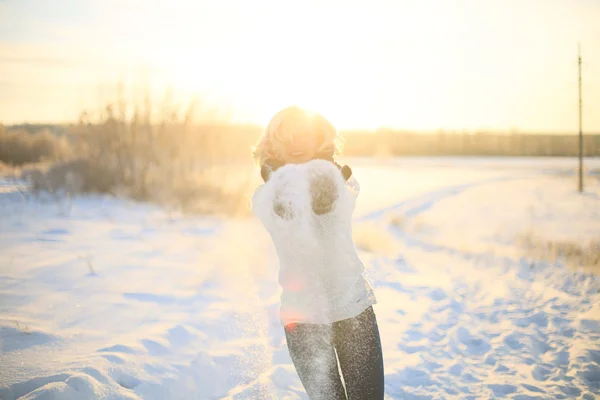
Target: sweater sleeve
{"x": 324, "y": 194}
{"x": 324, "y": 190}
{"x": 269, "y": 167}
{"x": 353, "y": 186}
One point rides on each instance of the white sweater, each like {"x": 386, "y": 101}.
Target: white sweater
{"x": 320, "y": 272}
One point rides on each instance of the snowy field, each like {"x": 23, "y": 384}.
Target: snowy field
{"x": 109, "y": 299}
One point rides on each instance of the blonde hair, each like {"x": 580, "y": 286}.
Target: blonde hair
{"x": 291, "y": 122}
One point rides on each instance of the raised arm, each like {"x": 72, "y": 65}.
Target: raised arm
{"x": 269, "y": 167}
{"x": 324, "y": 190}
{"x": 324, "y": 186}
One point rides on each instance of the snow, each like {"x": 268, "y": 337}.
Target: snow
{"x": 111, "y": 299}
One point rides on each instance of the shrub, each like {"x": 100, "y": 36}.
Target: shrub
{"x": 19, "y": 147}
{"x": 80, "y": 175}
{"x": 575, "y": 254}
{"x": 127, "y": 152}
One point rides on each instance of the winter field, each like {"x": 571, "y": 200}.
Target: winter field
{"x": 102, "y": 298}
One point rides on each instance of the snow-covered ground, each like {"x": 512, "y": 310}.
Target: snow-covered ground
{"x": 105, "y": 298}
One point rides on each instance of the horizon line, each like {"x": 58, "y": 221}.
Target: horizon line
{"x": 382, "y": 129}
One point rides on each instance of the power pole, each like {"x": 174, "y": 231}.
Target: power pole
{"x": 580, "y": 129}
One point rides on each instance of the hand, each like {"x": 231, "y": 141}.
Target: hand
{"x": 268, "y": 167}
{"x": 328, "y": 156}
{"x": 272, "y": 165}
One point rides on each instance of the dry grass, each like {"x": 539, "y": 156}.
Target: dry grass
{"x": 19, "y": 147}
{"x": 412, "y": 225}
{"x": 148, "y": 156}
{"x": 6, "y": 169}
{"x": 584, "y": 255}
{"x": 22, "y": 328}
{"x": 373, "y": 238}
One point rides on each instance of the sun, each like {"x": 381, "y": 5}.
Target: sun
{"x": 339, "y": 72}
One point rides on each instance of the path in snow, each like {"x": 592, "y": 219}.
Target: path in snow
{"x": 478, "y": 325}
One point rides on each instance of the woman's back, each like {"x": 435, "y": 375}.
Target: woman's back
{"x": 307, "y": 209}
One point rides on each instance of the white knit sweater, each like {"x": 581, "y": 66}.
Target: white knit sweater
{"x": 307, "y": 210}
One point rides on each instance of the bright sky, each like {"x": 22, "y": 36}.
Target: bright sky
{"x": 415, "y": 64}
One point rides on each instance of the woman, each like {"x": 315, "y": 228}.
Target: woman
{"x": 306, "y": 205}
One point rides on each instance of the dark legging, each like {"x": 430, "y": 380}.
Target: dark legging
{"x": 356, "y": 341}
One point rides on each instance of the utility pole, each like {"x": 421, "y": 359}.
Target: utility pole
{"x": 580, "y": 129}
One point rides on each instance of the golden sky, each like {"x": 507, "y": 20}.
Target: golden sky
{"x": 414, "y": 64}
